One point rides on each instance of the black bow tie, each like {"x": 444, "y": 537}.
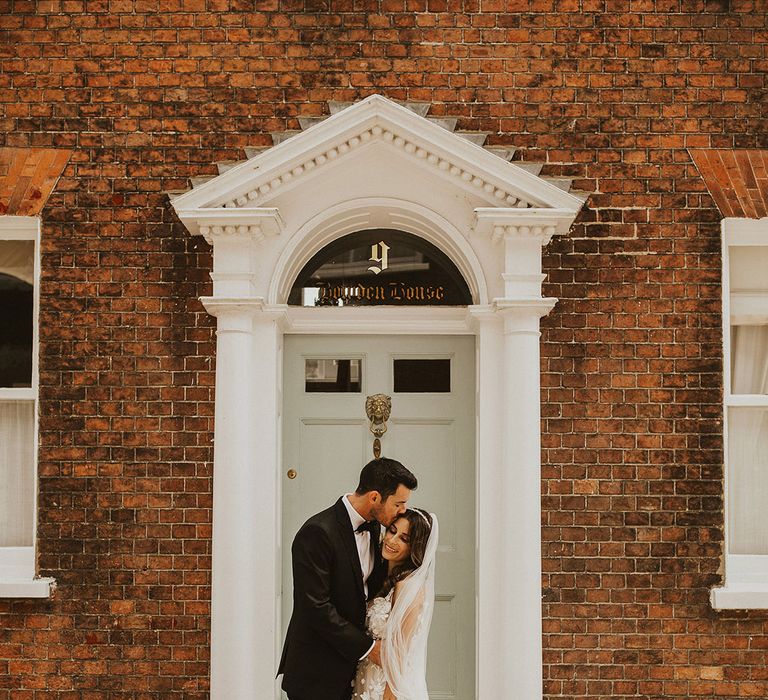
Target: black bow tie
{"x": 369, "y": 525}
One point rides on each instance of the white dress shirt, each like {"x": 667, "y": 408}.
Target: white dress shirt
{"x": 363, "y": 542}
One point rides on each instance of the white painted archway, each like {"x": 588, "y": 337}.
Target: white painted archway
{"x": 376, "y": 212}
{"x": 375, "y": 164}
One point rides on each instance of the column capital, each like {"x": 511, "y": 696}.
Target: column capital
{"x": 239, "y": 313}
{"x": 536, "y": 305}
{"x": 483, "y": 312}
{"x": 522, "y": 234}
{"x": 221, "y": 223}
{"x": 520, "y": 315}
{"x": 506, "y": 223}
{"x": 523, "y": 315}
{"x": 217, "y": 233}
{"x": 511, "y": 233}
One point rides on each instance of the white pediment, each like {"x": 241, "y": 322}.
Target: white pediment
{"x": 361, "y": 130}
{"x": 377, "y": 164}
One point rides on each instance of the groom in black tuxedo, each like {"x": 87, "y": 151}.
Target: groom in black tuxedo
{"x": 337, "y": 567}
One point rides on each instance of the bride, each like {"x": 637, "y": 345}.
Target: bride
{"x": 401, "y": 613}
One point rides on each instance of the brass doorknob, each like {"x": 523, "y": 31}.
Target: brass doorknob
{"x": 292, "y": 473}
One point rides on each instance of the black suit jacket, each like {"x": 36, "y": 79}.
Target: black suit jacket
{"x": 326, "y": 636}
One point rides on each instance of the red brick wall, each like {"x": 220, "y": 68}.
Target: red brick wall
{"x": 150, "y": 92}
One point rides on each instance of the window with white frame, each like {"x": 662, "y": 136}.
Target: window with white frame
{"x": 745, "y": 336}
{"x": 19, "y": 274}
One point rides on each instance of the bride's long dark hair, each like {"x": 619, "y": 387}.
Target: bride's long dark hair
{"x": 420, "y": 525}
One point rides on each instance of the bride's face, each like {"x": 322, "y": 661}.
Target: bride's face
{"x": 396, "y": 547}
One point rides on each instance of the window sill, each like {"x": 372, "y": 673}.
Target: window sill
{"x": 27, "y": 588}
{"x": 740, "y": 596}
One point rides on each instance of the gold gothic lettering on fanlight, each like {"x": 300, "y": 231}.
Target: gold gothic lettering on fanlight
{"x": 381, "y": 258}
{"x": 367, "y": 268}
{"x": 382, "y": 293}
{"x": 394, "y": 291}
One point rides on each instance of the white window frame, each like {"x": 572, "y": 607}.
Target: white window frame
{"x": 746, "y": 575}
{"x": 18, "y": 566}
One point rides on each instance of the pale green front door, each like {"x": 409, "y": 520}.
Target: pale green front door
{"x": 326, "y": 441}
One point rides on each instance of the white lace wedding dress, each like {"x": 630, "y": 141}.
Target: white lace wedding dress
{"x": 370, "y": 683}
{"x": 401, "y": 621}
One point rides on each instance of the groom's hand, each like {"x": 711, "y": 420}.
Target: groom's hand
{"x": 375, "y": 654}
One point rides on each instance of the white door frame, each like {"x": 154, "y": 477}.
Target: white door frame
{"x": 375, "y": 165}
{"x": 247, "y": 486}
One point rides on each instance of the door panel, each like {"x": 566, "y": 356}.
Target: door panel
{"x": 443, "y": 649}
{"x": 342, "y": 441}
{"x": 431, "y": 444}
{"x": 326, "y": 441}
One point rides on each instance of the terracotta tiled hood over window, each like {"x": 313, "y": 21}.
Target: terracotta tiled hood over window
{"x": 27, "y": 178}
{"x": 736, "y": 179}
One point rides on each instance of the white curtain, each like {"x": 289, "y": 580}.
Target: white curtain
{"x": 748, "y": 443}
{"x": 749, "y": 365}
{"x": 17, "y": 453}
{"x": 17, "y": 258}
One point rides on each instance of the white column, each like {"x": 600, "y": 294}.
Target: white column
{"x": 245, "y": 533}
{"x": 509, "y": 472}
{"x": 522, "y": 486}
{"x": 492, "y": 589}
{"x": 509, "y": 493}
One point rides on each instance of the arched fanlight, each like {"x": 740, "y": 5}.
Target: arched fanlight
{"x": 380, "y": 267}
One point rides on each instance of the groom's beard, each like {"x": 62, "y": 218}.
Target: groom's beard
{"x": 378, "y": 516}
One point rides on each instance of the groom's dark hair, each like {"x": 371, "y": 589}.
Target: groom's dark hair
{"x": 385, "y": 475}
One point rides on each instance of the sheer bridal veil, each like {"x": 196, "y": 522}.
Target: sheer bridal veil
{"x": 404, "y": 650}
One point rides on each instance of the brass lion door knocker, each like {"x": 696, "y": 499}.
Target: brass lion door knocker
{"x": 378, "y": 408}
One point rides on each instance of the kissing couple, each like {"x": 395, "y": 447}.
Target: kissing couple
{"x": 362, "y": 604}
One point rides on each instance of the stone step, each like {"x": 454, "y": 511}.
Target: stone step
{"x": 201, "y": 180}
{"x": 476, "y": 137}
{"x": 279, "y": 136}
{"x": 563, "y": 183}
{"x": 583, "y": 195}
{"x": 172, "y": 194}
{"x": 420, "y": 108}
{"x": 308, "y": 122}
{"x": 224, "y": 165}
{"x": 335, "y": 106}
{"x": 501, "y": 151}
{"x": 531, "y": 167}
{"x": 253, "y": 151}
{"x": 448, "y": 123}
